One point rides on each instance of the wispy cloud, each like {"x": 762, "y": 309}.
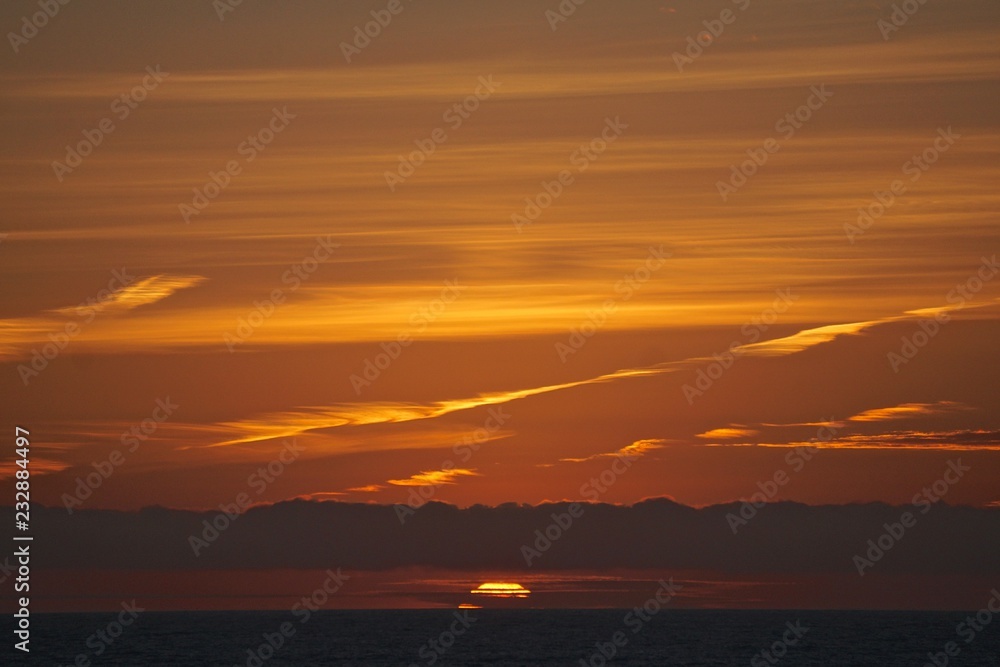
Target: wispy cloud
{"x": 909, "y": 411}
{"x": 635, "y": 450}
{"x": 140, "y": 293}
{"x": 434, "y": 477}
{"x": 321, "y": 495}
{"x": 39, "y": 466}
{"x": 728, "y": 433}
{"x": 831, "y": 423}
{"x": 805, "y": 339}
{"x": 296, "y": 422}
{"x": 18, "y": 334}
{"x": 285, "y": 424}
{"x": 959, "y": 440}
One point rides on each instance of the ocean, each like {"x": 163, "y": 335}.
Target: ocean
{"x": 692, "y": 638}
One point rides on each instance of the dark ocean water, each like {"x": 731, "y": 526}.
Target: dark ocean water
{"x": 516, "y": 637}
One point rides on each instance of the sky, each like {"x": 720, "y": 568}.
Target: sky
{"x": 499, "y": 255}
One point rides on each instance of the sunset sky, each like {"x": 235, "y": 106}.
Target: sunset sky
{"x": 405, "y": 331}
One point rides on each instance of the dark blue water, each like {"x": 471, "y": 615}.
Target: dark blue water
{"x": 521, "y": 637}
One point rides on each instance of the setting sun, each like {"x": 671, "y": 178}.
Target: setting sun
{"x": 501, "y": 590}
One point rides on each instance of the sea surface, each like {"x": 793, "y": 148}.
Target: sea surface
{"x": 512, "y": 637}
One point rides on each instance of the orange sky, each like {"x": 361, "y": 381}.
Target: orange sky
{"x": 414, "y": 339}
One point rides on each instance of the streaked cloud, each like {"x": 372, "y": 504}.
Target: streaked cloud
{"x": 140, "y": 293}
{"x": 321, "y": 495}
{"x": 959, "y": 440}
{"x": 558, "y": 75}
{"x": 728, "y": 433}
{"x": 909, "y": 411}
{"x": 635, "y": 450}
{"x": 18, "y": 334}
{"x": 805, "y": 339}
{"x": 38, "y": 466}
{"x": 367, "y": 488}
{"x": 286, "y": 424}
{"x": 832, "y": 423}
{"x": 434, "y": 477}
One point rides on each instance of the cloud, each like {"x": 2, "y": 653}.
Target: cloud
{"x": 909, "y": 410}
{"x": 292, "y": 423}
{"x": 728, "y": 433}
{"x": 779, "y": 347}
{"x": 298, "y": 534}
{"x": 38, "y": 466}
{"x": 321, "y": 495}
{"x": 829, "y": 423}
{"x": 830, "y": 435}
{"x": 368, "y": 488}
{"x": 635, "y": 450}
{"x": 302, "y": 420}
{"x": 434, "y": 477}
{"x": 140, "y": 293}
{"x": 959, "y": 441}
{"x": 18, "y": 334}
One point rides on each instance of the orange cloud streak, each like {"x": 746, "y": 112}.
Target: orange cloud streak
{"x": 434, "y": 477}
{"x": 296, "y": 422}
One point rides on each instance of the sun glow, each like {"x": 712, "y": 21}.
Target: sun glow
{"x": 501, "y": 590}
